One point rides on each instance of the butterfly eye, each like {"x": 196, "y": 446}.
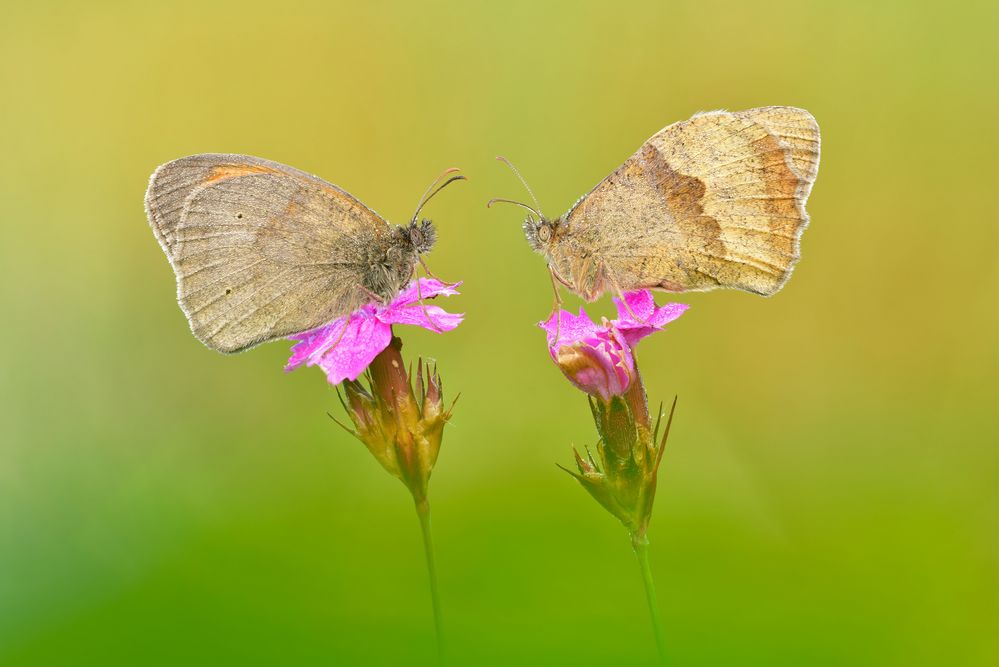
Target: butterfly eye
{"x": 544, "y": 233}
{"x": 416, "y": 237}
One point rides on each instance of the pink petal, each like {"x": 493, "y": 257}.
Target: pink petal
{"x": 613, "y": 344}
{"x": 598, "y": 358}
{"x": 667, "y": 313}
{"x": 440, "y": 320}
{"x": 364, "y": 338}
{"x": 313, "y": 343}
{"x": 650, "y": 318}
{"x": 346, "y": 346}
{"x": 641, "y": 303}
{"x": 601, "y": 364}
{"x": 429, "y": 287}
{"x": 595, "y": 379}
{"x": 570, "y": 328}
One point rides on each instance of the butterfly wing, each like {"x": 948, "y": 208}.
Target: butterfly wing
{"x": 715, "y": 201}
{"x": 260, "y": 250}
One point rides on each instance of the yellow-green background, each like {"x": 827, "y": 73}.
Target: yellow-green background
{"x": 829, "y": 496}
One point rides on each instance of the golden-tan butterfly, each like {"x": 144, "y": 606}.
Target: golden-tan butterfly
{"x": 262, "y": 250}
{"x": 714, "y": 201}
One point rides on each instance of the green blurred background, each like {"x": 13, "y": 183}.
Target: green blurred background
{"x": 829, "y": 496}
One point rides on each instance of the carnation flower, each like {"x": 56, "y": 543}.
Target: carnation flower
{"x": 598, "y": 358}
{"x": 399, "y": 416}
{"x": 347, "y": 345}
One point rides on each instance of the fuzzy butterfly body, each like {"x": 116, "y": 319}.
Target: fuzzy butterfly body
{"x": 714, "y": 201}
{"x": 262, "y": 250}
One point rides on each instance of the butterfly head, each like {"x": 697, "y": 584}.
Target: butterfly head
{"x": 421, "y": 236}
{"x": 540, "y": 232}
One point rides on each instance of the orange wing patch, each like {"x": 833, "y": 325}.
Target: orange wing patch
{"x": 226, "y": 171}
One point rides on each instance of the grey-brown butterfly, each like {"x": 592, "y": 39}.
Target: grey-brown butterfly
{"x": 714, "y": 201}
{"x": 262, "y": 250}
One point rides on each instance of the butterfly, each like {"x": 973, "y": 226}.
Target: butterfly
{"x": 262, "y": 250}
{"x": 714, "y": 201}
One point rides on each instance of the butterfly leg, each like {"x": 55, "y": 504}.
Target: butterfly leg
{"x": 343, "y": 330}
{"x": 423, "y": 306}
{"x": 372, "y": 297}
{"x": 620, "y": 296}
{"x": 556, "y": 304}
{"x": 615, "y": 286}
{"x": 428, "y": 271}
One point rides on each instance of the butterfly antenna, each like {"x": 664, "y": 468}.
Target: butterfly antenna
{"x": 516, "y": 203}
{"x": 430, "y": 191}
{"x": 423, "y": 197}
{"x": 524, "y": 181}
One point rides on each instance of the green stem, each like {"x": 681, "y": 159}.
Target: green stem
{"x": 423, "y": 511}
{"x": 641, "y": 545}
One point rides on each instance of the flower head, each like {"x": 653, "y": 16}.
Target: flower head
{"x": 347, "y": 345}
{"x": 598, "y": 358}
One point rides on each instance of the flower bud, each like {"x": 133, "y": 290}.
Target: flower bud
{"x": 400, "y": 418}
{"x": 623, "y": 479}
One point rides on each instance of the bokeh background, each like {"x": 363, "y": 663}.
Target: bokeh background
{"x": 829, "y": 496}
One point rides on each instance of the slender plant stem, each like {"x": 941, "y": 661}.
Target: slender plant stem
{"x": 641, "y": 545}
{"x": 423, "y": 511}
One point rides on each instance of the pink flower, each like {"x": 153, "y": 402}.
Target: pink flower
{"x": 598, "y": 358}
{"x": 344, "y": 354}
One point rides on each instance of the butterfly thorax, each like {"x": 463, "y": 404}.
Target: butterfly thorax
{"x": 392, "y": 268}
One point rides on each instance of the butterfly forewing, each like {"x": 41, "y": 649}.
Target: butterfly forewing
{"x": 715, "y": 201}
{"x": 798, "y": 132}
{"x": 172, "y": 183}
{"x": 260, "y": 250}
